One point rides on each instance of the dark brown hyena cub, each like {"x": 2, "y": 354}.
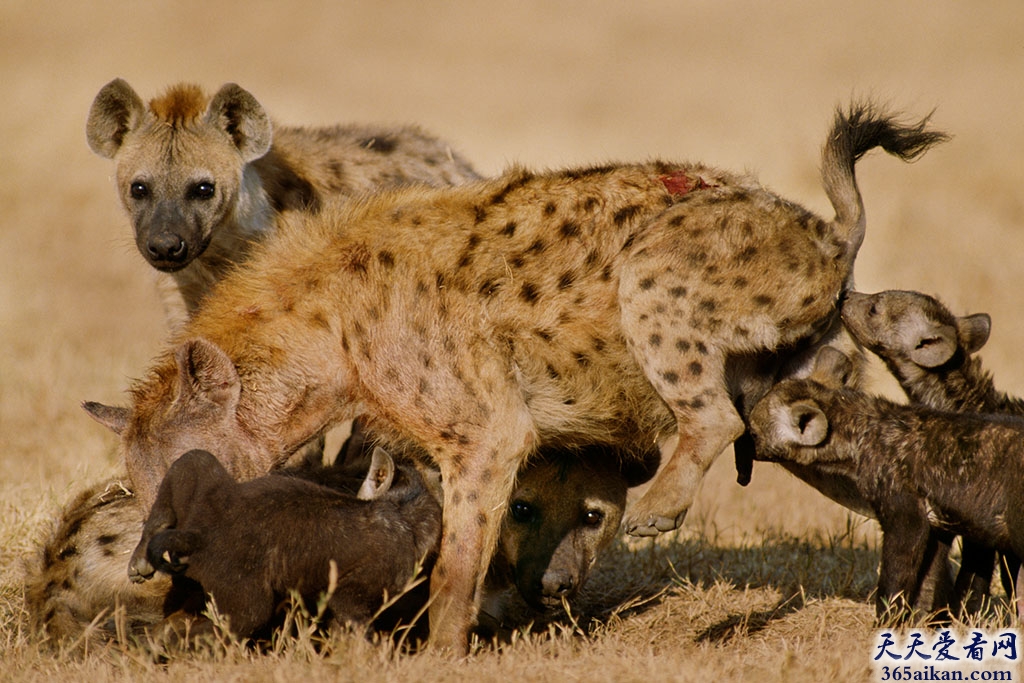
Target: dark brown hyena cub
{"x": 922, "y": 471}
{"x": 250, "y": 544}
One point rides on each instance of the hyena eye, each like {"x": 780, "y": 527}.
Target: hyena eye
{"x": 139, "y": 190}
{"x": 521, "y": 512}
{"x": 593, "y": 518}
{"x": 203, "y": 190}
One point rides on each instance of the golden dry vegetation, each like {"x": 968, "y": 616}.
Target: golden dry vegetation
{"x": 769, "y": 582}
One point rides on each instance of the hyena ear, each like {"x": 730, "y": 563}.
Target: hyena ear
{"x": 832, "y": 367}
{"x": 110, "y": 416}
{"x": 204, "y": 370}
{"x": 804, "y": 424}
{"x": 237, "y": 113}
{"x": 115, "y": 112}
{"x": 379, "y": 477}
{"x": 974, "y": 331}
{"x": 933, "y": 346}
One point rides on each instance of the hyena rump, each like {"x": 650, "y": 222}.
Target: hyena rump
{"x": 569, "y": 308}
{"x": 204, "y": 178}
{"x": 923, "y": 471}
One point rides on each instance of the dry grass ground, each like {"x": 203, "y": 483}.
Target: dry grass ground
{"x": 770, "y": 582}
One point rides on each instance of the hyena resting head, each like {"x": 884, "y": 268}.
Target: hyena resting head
{"x": 587, "y": 306}
{"x": 203, "y": 178}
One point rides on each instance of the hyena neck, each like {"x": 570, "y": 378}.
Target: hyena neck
{"x": 962, "y": 385}
{"x": 252, "y": 221}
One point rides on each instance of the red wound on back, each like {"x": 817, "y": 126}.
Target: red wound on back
{"x": 679, "y": 183}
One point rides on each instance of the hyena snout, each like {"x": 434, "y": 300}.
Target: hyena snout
{"x": 168, "y": 240}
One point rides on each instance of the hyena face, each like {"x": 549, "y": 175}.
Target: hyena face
{"x": 179, "y": 162}
{"x": 912, "y": 329}
{"x": 563, "y": 512}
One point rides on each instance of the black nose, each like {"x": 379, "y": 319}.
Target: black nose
{"x": 558, "y": 584}
{"x": 167, "y": 248}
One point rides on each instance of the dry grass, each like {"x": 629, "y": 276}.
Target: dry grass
{"x": 767, "y": 582}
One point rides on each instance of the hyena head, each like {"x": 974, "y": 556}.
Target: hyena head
{"x": 566, "y": 508}
{"x": 908, "y": 329}
{"x": 790, "y": 423}
{"x": 188, "y": 403}
{"x": 180, "y": 162}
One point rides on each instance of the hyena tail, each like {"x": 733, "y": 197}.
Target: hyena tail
{"x": 855, "y": 132}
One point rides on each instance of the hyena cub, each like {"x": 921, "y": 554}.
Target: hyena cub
{"x": 589, "y": 306}
{"x": 931, "y": 351}
{"x": 922, "y": 471}
{"x": 204, "y": 178}
{"x": 250, "y": 544}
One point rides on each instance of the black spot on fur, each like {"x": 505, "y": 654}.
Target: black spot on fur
{"x": 677, "y": 292}
{"x": 566, "y": 280}
{"x": 746, "y": 254}
{"x": 695, "y": 368}
{"x": 682, "y": 345}
{"x": 625, "y": 214}
{"x": 763, "y": 300}
{"x": 479, "y": 214}
{"x": 509, "y": 229}
{"x": 670, "y": 377}
{"x": 537, "y": 247}
{"x": 606, "y": 273}
{"x": 106, "y": 539}
{"x": 386, "y": 258}
{"x": 677, "y": 220}
{"x": 646, "y": 283}
{"x": 740, "y": 282}
{"x": 701, "y": 349}
{"x": 529, "y": 293}
{"x": 489, "y": 287}
{"x": 708, "y": 305}
{"x": 382, "y": 144}
{"x": 581, "y": 358}
{"x": 570, "y": 229}
{"x": 654, "y": 340}
{"x": 550, "y": 208}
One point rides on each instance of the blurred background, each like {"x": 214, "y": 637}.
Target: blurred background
{"x": 744, "y": 85}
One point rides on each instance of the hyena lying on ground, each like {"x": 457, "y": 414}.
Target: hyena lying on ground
{"x": 249, "y": 544}
{"x": 931, "y": 351}
{"x": 589, "y": 306}
{"x": 204, "y": 178}
{"x": 923, "y": 471}
{"x": 565, "y": 509}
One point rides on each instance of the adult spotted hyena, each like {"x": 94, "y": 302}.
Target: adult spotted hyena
{"x": 586, "y": 306}
{"x": 204, "y": 178}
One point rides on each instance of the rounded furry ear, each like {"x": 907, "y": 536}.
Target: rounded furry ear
{"x": 804, "y": 424}
{"x": 379, "y": 477}
{"x": 205, "y": 370}
{"x": 238, "y": 114}
{"x": 934, "y": 346}
{"x": 115, "y": 112}
{"x": 974, "y": 331}
{"x": 832, "y": 367}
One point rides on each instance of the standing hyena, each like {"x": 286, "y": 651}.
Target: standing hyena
{"x": 923, "y": 471}
{"x": 931, "y": 352}
{"x": 204, "y": 178}
{"x": 588, "y": 306}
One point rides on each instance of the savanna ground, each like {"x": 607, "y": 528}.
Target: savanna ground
{"x": 770, "y": 582}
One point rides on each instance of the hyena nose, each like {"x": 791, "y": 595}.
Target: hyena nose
{"x": 559, "y": 584}
{"x": 167, "y": 247}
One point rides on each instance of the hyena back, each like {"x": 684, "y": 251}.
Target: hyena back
{"x": 204, "y": 178}
{"x": 568, "y": 308}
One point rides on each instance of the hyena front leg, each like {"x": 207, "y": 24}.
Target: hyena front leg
{"x": 478, "y": 478}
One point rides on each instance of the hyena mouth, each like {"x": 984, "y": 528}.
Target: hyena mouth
{"x": 170, "y": 253}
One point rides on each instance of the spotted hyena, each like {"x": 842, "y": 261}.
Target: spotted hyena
{"x": 205, "y": 178}
{"x": 924, "y": 472}
{"x": 932, "y": 353}
{"x": 598, "y": 305}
